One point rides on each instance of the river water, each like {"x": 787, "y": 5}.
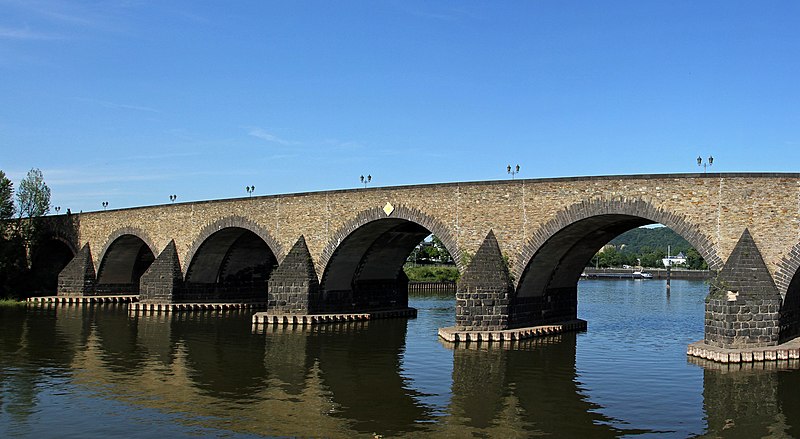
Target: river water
{"x": 98, "y": 372}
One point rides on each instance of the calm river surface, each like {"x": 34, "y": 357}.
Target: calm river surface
{"x": 101, "y": 372}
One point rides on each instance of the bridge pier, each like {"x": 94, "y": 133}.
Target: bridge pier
{"x": 743, "y": 309}
{"x": 78, "y": 278}
{"x": 484, "y": 290}
{"x": 293, "y": 287}
{"x": 163, "y": 280}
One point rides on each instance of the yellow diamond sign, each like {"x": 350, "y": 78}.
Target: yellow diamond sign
{"x": 388, "y": 209}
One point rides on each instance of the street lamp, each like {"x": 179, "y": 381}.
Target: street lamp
{"x": 705, "y": 164}
{"x": 250, "y": 190}
{"x": 366, "y": 180}
{"x": 105, "y": 204}
{"x": 58, "y": 209}
{"x": 172, "y": 198}
{"x": 513, "y": 172}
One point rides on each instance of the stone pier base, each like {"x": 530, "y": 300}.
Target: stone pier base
{"x": 453, "y": 335}
{"x": 89, "y": 300}
{"x": 786, "y": 351}
{"x": 153, "y": 308}
{"x": 269, "y": 318}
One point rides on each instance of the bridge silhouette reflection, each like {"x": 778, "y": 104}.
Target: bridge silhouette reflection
{"x": 338, "y": 380}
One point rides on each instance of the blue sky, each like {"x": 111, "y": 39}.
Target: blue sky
{"x": 129, "y": 102}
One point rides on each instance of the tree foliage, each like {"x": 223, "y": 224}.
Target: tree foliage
{"x": 647, "y": 247}
{"x": 33, "y": 195}
{"x": 18, "y": 238}
{"x": 12, "y": 250}
{"x": 431, "y": 252}
{"x": 6, "y": 197}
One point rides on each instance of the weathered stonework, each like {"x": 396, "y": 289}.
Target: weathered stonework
{"x": 293, "y": 286}
{"x": 483, "y": 292}
{"x": 78, "y": 277}
{"x": 163, "y": 280}
{"x": 526, "y": 217}
{"x": 711, "y": 208}
{"x": 743, "y": 305}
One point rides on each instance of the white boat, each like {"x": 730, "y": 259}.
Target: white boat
{"x": 642, "y": 275}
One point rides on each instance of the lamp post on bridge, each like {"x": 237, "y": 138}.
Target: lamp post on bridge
{"x": 366, "y": 180}
{"x": 250, "y": 190}
{"x": 513, "y": 171}
{"x": 58, "y": 209}
{"x": 172, "y": 198}
{"x": 105, "y": 204}
{"x": 705, "y": 164}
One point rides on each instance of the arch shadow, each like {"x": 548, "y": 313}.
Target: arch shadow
{"x": 362, "y": 265}
{"x": 787, "y": 279}
{"x": 234, "y": 221}
{"x": 48, "y": 259}
{"x": 230, "y": 261}
{"x": 554, "y": 258}
{"x": 125, "y": 257}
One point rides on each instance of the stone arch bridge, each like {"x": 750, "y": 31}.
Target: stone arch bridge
{"x": 520, "y": 245}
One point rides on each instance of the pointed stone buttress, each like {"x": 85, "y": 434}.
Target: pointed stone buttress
{"x": 293, "y": 286}
{"x": 78, "y": 278}
{"x": 163, "y": 280}
{"x": 483, "y": 291}
{"x": 743, "y": 304}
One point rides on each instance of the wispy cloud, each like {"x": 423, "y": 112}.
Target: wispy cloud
{"x": 25, "y": 34}
{"x": 269, "y": 137}
{"x": 118, "y": 106}
{"x": 74, "y": 14}
{"x": 340, "y": 145}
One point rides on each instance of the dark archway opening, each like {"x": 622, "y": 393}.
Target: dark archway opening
{"x": 547, "y": 290}
{"x": 790, "y": 310}
{"x": 124, "y": 262}
{"x": 365, "y": 273}
{"x": 233, "y": 264}
{"x": 48, "y": 260}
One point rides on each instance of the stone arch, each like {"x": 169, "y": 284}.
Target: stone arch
{"x": 52, "y": 253}
{"x": 400, "y": 212}
{"x": 233, "y": 221}
{"x": 546, "y": 280}
{"x": 116, "y": 234}
{"x": 631, "y": 208}
{"x": 788, "y": 269}
{"x": 55, "y": 236}
{"x": 129, "y": 251}
{"x": 232, "y": 259}
{"x": 787, "y": 279}
{"x": 362, "y": 266}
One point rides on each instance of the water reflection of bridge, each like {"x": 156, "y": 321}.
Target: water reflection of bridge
{"x": 337, "y": 380}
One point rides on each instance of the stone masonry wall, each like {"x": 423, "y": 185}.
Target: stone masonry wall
{"x": 719, "y": 206}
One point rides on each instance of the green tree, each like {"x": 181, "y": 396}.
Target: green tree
{"x": 33, "y": 196}
{"x": 12, "y": 250}
{"x": 6, "y": 197}
{"x": 33, "y": 201}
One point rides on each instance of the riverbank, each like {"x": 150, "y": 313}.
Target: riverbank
{"x": 658, "y": 273}
{"x": 10, "y": 302}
